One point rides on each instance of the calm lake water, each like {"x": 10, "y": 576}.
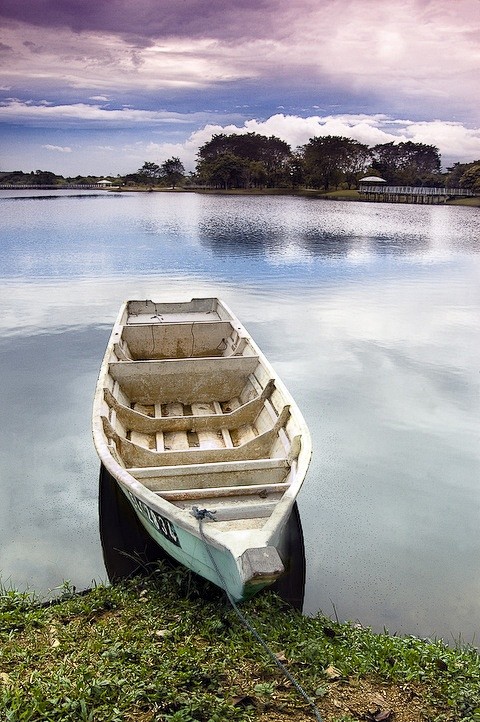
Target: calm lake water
{"x": 370, "y": 314}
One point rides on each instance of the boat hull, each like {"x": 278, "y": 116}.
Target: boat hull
{"x": 188, "y": 414}
{"x": 216, "y": 565}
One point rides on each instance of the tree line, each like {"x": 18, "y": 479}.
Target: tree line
{"x": 325, "y": 162}
{"x": 44, "y": 178}
{"x": 254, "y": 161}
{"x": 168, "y": 173}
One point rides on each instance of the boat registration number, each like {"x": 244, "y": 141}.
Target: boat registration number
{"x": 161, "y": 524}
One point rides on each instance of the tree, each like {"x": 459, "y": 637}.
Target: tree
{"x": 464, "y": 175}
{"x": 226, "y": 171}
{"x": 261, "y": 160}
{"x": 172, "y": 171}
{"x": 454, "y": 173}
{"x": 257, "y": 174}
{"x": 44, "y": 178}
{"x": 407, "y": 163}
{"x": 149, "y": 173}
{"x": 330, "y": 159}
{"x": 277, "y": 156}
{"x": 357, "y": 160}
{"x": 471, "y": 177}
{"x": 296, "y": 169}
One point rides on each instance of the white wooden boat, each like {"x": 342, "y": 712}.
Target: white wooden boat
{"x": 189, "y": 414}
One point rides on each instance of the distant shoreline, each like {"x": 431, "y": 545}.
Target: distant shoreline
{"x": 337, "y": 195}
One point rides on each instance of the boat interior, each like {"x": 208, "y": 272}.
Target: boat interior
{"x": 193, "y": 413}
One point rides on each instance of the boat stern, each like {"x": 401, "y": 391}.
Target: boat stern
{"x": 261, "y": 566}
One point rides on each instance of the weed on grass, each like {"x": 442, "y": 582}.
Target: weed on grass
{"x": 169, "y": 647}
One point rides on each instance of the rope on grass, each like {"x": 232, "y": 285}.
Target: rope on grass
{"x": 201, "y": 515}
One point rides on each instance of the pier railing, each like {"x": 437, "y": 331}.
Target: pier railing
{"x": 69, "y": 187}
{"x": 412, "y": 194}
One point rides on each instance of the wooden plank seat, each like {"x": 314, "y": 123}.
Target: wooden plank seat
{"x": 228, "y": 347}
{"x": 198, "y": 309}
{"x": 191, "y": 380}
{"x": 135, "y": 454}
{"x": 239, "y": 502}
{"x": 181, "y": 340}
{"x": 230, "y": 474}
{"x": 221, "y": 492}
{"x": 134, "y": 419}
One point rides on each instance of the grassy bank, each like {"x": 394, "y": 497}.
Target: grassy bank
{"x": 166, "y": 648}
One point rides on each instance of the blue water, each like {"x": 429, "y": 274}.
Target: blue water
{"x": 369, "y": 312}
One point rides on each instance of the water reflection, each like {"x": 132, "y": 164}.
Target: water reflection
{"x": 318, "y": 231}
{"x": 53, "y": 196}
{"x": 107, "y": 235}
{"x": 378, "y": 343}
{"x": 240, "y": 239}
{"x": 48, "y": 526}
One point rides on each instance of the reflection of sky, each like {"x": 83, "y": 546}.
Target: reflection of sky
{"x": 380, "y": 355}
{"x": 49, "y": 492}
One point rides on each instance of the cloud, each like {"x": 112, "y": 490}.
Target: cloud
{"x": 168, "y": 74}
{"x": 157, "y": 135}
{"x": 455, "y": 141}
{"x": 43, "y": 113}
{"x": 396, "y": 54}
{"x": 107, "y": 66}
{"x": 57, "y": 148}
{"x": 147, "y": 19}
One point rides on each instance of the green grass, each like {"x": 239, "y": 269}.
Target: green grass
{"x": 340, "y": 195}
{"x": 170, "y": 648}
{"x": 472, "y": 202}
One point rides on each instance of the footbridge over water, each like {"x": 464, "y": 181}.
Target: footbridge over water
{"x": 411, "y": 194}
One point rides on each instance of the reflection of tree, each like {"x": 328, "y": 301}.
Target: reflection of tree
{"x": 238, "y": 236}
{"x": 239, "y": 232}
{"x": 323, "y": 243}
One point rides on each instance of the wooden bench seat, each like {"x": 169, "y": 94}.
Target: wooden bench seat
{"x": 231, "y": 474}
{"x": 191, "y": 380}
{"x": 220, "y": 492}
{"x": 134, "y": 454}
{"x": 134, "y": 419}
{"x": 179, "y": 340}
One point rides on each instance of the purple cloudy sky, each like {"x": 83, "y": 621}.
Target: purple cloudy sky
{"x": 101, "y": 86}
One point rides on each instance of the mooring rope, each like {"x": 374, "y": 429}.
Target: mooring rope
{"x": 201, "y": 515}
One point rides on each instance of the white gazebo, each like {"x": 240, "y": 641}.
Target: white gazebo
{"x": 372, "y": 180}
